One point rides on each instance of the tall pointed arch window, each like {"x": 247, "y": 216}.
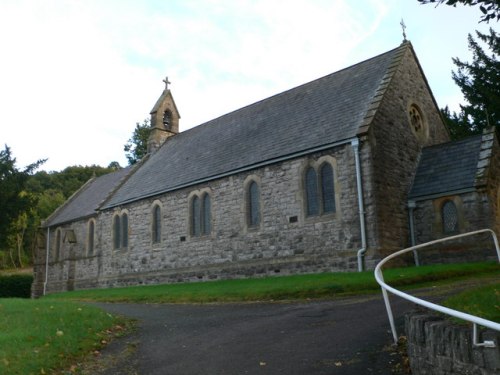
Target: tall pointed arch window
{"x": 201, "y": 215}
{"x": 116, "y": 232}
{"x": 327, "y": 188}
{"x": 58, "y": 245}
{"x": 253, "y": 204}
{"x": 124, "y": 230}
{"x": 91, "y": 237}
{"x": 449, "y": 215}
{"x": 195, "y": 216}
{"x": 206, "y": 215}
{"x": 319, "y": 188}
{"x": 311, "y": 183}
{"x": 156, "y": 224}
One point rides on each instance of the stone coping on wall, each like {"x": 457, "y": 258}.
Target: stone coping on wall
{"x": 437, "y": 346}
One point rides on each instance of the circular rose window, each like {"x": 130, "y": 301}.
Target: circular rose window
{"x": 417, "y": 123}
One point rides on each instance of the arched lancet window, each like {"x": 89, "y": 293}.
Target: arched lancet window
{"x": 124, "y": 230}
{"x": 253, "y": 204}
{"x": 91, "y": 236}
{"x": 195, "y": 216}
{"x": 201, "y": 216}
{"x": 449, "y": 216}
{"x": 206, "y": 226}
{"x": 327, "y": 188}
{"x": 156, "y": 224}
{"x": 116, "y": 232}
{"x": 311, "y": 184}
{"x": 58, "y": 245}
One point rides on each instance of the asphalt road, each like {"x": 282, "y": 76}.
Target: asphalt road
{"x": 345, "y": 337}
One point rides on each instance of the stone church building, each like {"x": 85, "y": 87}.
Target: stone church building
{"x": 328, "y": 176}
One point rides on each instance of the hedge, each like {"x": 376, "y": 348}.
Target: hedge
{"x": 18, "y": 286}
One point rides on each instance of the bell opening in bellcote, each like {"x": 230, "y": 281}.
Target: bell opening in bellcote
{"x": 167, "y": 119}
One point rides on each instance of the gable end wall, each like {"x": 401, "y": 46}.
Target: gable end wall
{"x": 396, "y": 149}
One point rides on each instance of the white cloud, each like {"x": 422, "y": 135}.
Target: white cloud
{"x": 75, "y": 76}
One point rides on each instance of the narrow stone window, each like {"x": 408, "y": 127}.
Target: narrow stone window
{"x": 156, "y": 225}
{"x": 311, "y": 184}
{"x": 124, "y": 231}
{"x": 90, "y": 239}
{"x": 449, "y": 216}
{"x": 116, "y": 232}
{"x": 327, "y": 188}
{"x": 207, "y": 215}
{"x": 58, "y": 244}
{"x": 253, "y": 204}
{"x": 195, "y": 216}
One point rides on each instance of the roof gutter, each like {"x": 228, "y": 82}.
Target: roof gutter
{"x": 361, "y": 206}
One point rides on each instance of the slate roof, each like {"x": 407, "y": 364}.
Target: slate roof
{"x": 317, "y": 114}
{"x": 446, "y": 168}
{"x": 87, "y": 199}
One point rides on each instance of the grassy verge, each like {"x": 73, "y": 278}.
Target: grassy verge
{"x": 41, "y": 336}
{"x": 482, "y": 301}
{"x": 326, "y": 285}
{"x": 46, "y": 335}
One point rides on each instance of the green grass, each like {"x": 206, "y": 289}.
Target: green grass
{"x": 41, "y": 336}
{"x": 46, "y": 335}
{"x": 326, "y": 285}
{"x": 482, "y": 301}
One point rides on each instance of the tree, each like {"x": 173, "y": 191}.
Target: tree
{"x": 480, "y": 86}
{"x": 14, "y": 200}
{"x": 137, "y": 146}
{"x": 489, "y": 8}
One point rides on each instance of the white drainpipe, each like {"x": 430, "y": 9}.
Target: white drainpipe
{"x": 47, "y": 261}
{"x": 411, "y": 206}
{"x": 362, "y": 251}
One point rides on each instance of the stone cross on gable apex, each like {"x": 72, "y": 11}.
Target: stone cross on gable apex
{"x": 403, "y": 26}
{"x": 167, "y": 82}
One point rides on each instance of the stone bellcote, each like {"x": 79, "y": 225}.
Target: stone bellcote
{"x": 164, "y": 119}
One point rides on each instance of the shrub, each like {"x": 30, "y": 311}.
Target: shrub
{"x": 18, "y": 286}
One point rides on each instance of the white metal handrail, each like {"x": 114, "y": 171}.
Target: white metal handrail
{"x": 457, "y": 314}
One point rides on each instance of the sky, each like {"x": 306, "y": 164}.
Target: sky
{"x": 77, "y": 75}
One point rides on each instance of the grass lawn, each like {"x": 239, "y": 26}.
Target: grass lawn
{"x": 325, "y": 285}
{"x": 42, "y": 336}
{"x": 49, "y": 334}
{"x": 483, "y": 301}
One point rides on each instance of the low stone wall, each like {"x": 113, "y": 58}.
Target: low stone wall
{"x": 438, "y": 347}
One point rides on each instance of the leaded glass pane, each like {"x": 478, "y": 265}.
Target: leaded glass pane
{"x": 327, "y": 188}
{"x": 450, "y": 217}
{"x": 206, "y": 227}
{"x": 124, "y": 230}
{"x": 195, "y": 217}
{"x": 91, "y": 238}
{"x": 253, "y": 204}
{"x": 116, "y": 232}
{"x": 156, "y": 224}
{"x": 58, "y": 244}
{"x": 312, "y": 192}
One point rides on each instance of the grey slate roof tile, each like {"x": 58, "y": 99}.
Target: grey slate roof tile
{"x": 319, "y": 113}
{"x": 446, "y": 168}
{"x": 86, "y": 201}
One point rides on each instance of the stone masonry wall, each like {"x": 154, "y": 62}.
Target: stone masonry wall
{"x": 285, "y": 242}
{"x": 397, "y": 148}
{"x": 438, "y": 347}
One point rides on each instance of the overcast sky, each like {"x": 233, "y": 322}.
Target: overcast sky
{"x": 76, "y": 76}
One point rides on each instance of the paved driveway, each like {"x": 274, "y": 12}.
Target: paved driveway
{"x": 349, "y": 336}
